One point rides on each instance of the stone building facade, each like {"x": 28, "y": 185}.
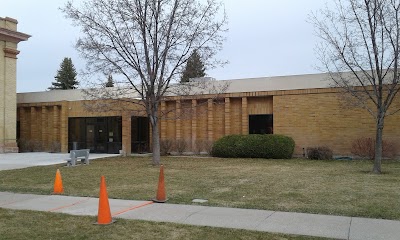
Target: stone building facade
{"x": 9, "y": 39}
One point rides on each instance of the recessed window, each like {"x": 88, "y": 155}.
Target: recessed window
{"x": 261, "y": 124}
{"x": 140, "y": 134}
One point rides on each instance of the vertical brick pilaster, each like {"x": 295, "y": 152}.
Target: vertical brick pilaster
{"x": 126, "y": 133}
{"x": 56, "y": 124}
{"x": 210, "y": 120}
{"x": 163, "y": 121}
{"x": 245, "y": 117}
{"x": 33, "y": 124}
{"x": 227, "y": 116}
{"x": 178, "y": 120}
{"x": 194, "y": 123}
{"x": 23, "y": 123}
{"x": 64, "y": 127}
{"x": 44, "y": 128}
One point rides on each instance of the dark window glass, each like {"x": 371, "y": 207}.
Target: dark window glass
{"x": 261, "y": 124}
{"x": 18, "y": 130}
{"x": 101, "y": 135}
{"x": 140, "y": 134}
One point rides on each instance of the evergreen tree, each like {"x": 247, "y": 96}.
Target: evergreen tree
{"x": 66, "y": 76}
{"x": 194, "y": 68}
{"x": 110, "y": 81}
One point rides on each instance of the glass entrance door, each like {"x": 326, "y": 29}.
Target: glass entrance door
{"x": 90, "y": 137}
{"x": 100, "y": 135}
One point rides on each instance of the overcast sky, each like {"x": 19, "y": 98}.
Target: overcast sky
{"x": 265, "y": 38}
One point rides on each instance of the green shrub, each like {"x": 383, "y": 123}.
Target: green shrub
{"x": 254, "y": 146}
{"x": 319, "y": 153}
{"x": 226, "y": 146}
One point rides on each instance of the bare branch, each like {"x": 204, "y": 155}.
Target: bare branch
{"x": 145, "y": 45}
{"x": 360, "y": 43}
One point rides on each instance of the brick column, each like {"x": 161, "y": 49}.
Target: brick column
{"x": 163, "y": 122}
{"x": 44, "y": 128}
{"x": 227, "y": 116}
{"x": 126, "y": 133}
{"x": 194, "y": 123}
{"x": 56, "y": 125}
{"x": 23, "y": 123}
{"x": 178, "y": 120}
{"x": 64, "y": 127}
{"x": 245, "y": 117}
{"x": 210, "y": 120}
{"x": 33, "y": 126}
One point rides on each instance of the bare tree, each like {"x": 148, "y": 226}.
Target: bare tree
{"x": 360, "y": 50}
{"x": 147, "y": 43}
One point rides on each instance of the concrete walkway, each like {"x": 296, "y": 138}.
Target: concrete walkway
{"x": 336, "y": 227}
{"x": 23, "y": 160}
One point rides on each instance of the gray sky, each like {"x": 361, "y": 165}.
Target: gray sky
{"x": 265, "y": 38}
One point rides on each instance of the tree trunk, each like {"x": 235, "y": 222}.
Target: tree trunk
{"x": 155, "y": 140}
{"x": 378, "y": 146}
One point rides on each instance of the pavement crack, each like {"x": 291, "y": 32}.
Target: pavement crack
{"x": 268, "y": 216}
{"x": 348, "y": 234}
{"x": 186, "y": 218}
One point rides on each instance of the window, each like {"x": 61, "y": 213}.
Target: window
{"x": 261, "y": 124}
{"x": 139, "y": 134}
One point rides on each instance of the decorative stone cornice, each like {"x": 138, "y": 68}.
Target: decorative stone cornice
{"x": 8, "y": 19}
{"x": 12, "y": 36}
{"x": 10, "y": 52}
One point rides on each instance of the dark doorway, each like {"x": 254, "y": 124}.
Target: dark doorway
{"x": 18, "y": 129}
{"x": 261, "y": 124}
{"x": 140, "y": 134}
{"x": 99, "y": 134}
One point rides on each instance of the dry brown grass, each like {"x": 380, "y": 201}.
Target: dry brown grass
{"x": 41, "y": 225}
{"x": 326, "y": 187}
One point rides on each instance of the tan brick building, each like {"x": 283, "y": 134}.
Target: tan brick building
{"x": 9, "y": 39}
{"x": 303, "y": 107}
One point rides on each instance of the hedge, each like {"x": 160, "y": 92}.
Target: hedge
{"x": 254, "y": 146}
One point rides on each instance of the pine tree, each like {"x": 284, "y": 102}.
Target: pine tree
{"x": 110, "y": 81}
{"x": 66, "y": 76}
{"x": 194, "y": 68}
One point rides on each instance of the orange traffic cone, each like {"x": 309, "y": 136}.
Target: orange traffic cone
{"x": 161, "y": 195}
{"x": 104, "y": 213}
{"x": 58, "y": 186}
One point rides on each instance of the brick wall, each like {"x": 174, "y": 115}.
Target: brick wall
{"x": 322, "y": 120}
{"x": 313, "y": 117}
{"x": 46, "y": 124}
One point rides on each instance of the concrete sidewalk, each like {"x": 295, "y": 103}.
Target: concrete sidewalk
{"x": 23, "y": 160}
{"x": 336, "y": 227}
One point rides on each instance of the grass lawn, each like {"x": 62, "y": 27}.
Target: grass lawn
{"x": 41, "y": 225}
{"x": 326, "y": 187}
